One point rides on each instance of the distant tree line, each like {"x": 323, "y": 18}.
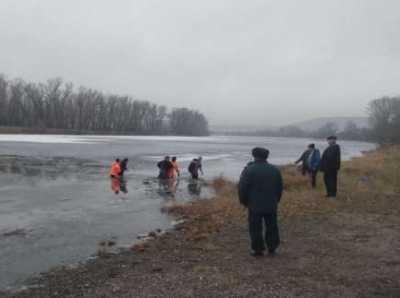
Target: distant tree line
{"x": 350, "y": 132}
{"x": 56, "y": 105}
{"x": 384, "y": 116}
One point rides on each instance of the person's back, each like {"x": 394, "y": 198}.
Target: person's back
{"x": 165, "y": 167}
{"x": 261, "y": 187}
{"x": 260, "y": 190}
{"x": 194, "y": 169}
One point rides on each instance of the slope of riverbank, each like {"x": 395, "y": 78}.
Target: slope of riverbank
{"x": 348, "y": 247}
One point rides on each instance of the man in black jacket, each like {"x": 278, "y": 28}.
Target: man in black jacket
{"x": 330, "y": 165}
{"x": 260, "y": 190}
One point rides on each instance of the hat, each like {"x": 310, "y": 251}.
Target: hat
{"x": 331, "y": 138}
{"x": 260, "y": 153}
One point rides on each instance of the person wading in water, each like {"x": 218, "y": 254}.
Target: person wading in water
{"x": 195, "y": 167}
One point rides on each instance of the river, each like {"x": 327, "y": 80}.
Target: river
{"x": 56, "y": 202}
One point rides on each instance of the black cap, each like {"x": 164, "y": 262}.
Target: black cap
{"x": 260, "y": 153}
{"x": 331, "y": 138}
{"x": 311, "y": 146}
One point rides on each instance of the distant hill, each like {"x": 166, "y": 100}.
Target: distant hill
{"x": 314, "y": 124}
{"x": 241, "y": 129}
{"x": 308, "y": 125}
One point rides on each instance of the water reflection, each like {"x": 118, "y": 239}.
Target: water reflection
{"x": 167, "y": 188}
{"x": 194, "y": 187}
{"x": 118, "y": 185}
{"x": 49, "y": 168}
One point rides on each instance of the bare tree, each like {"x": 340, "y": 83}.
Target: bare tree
{"x": 384, "y": 117}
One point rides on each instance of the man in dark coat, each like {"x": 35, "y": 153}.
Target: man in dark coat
{"x": 260, "y": 190}
{"x": 330, "y": 165}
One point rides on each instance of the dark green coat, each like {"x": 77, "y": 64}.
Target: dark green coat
{"x": 260, "y": 187}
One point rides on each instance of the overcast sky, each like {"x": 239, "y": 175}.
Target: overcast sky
{"x": 240, "y": 62}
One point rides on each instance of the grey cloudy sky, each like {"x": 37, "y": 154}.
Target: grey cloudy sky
{"x": 239, "y": 62}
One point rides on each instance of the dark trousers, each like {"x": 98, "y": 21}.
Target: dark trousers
{"x": 258, "y": 240}
{"x": 330, "y": 179}
{"x": 313, "y": 176}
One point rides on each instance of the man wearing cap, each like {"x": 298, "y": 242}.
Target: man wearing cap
{"x": 330, "y": 165}
{"x": 260, "y": 190}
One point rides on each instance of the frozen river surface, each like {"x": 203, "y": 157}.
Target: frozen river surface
{"x": 56, "y": 202}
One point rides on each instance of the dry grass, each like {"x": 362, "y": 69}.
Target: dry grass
{"x": 370, "y": 181}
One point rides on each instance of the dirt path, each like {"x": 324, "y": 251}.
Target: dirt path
{"x": 345, "y": 254}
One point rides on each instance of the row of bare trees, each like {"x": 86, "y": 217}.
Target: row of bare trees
{"x": 384, "y": 115}
{"x": 56, "y": 105}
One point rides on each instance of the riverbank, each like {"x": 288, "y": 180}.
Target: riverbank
{"x": 9, "y": 130}
{"x": 348, "y": 247}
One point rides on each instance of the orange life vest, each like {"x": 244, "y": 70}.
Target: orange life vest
{"x": 115, "y": 169}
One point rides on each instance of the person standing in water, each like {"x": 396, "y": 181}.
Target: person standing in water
{"x": 260, "y": 191}
{"x": 115, "y": 177}
{"x": 330, "y": 165}
{"x": 115, "y": 169}
{"x": 124, "y": 166}
{"x": 165, "y": 167}
{"x": 175, "y": 166}
{"x": 194, "y": 167}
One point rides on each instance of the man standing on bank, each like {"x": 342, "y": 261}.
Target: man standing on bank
{"x": 260, "y": 190}
{"x": 330, "y": 165}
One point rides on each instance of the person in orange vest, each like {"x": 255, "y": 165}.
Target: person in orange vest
{"x": 115, "y": 169}
{"x": 175, "y": 168}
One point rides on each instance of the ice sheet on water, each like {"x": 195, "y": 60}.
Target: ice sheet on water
{"x": 189, "y": 156}
{"x": 51, "y": 139}
{"x": 88, "y": 139}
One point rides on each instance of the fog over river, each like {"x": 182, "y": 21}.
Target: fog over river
{"x": 56, "y": 202}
